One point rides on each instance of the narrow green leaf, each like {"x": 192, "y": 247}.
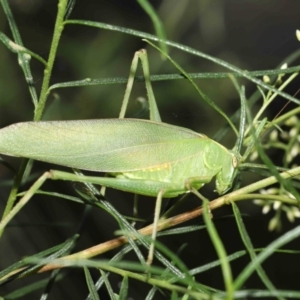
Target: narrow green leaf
{"x": 15, "y": 48}
{"x": 217, "y": 263}
{"x": 23, "y": 57}
{"x": 158, "y": 25}
{"x": 272, "y": 247}
{"x": 226, "y": 270}
{"x": 90, "y": 283}
{"x": 30, "y": 288}
{"x": 248, "y": 244}
{"x": 58, "y": 195}
{"x": 124, "y": 289}
{"x": 187, "y": 49}
{"x": 108, "y": 286}
{"x": 181, "y": 230}
{"x": 267, "y": 161}
{"x": 50, "y": 253}
{"x": 70, "y": 8}
{"x": 163, "y": 77}
{"x": 205, "y": 97}
{"x": 174, "y": 296}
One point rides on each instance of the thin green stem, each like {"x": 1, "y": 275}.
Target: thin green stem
{"x": 14, "y": 190}
{"x": 20, "y": 50}
{"x": 162, "y": 77}
{"x": 58, "y": 28}
{"x": 187, "y": 49}
{"x": 23, "y": 57}
{"x": 283, "y": 199}
{"x": 59, "y": 25}
{"x": 284, "y": 117}
{"x": 269, "y": 101}
{"x": 204, "y": 97}
{"x": 157, "y": 23}
{"x": 251, "y": 251}
{"x": 260, "y": 258}
{"x": 219, "y": 247}
{"x": 24, "y": 200}
{"x": 141, "y": 277}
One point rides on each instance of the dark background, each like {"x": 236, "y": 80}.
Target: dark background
{"x": 249, "y": 34}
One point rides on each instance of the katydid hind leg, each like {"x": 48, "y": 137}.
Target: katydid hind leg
{"x": 129, "y": 85}
{"x": 154, "y": 113}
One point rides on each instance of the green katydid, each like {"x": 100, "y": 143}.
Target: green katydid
{"x": 144, "y": 157}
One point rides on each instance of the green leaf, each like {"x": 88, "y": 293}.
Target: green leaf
{"x": 124, "y": 289}
{"x": 267, "y": 252}
{"x": 90, "y": 283}
{"x": 248, "y": 244}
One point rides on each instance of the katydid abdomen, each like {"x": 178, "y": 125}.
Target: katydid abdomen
{"x": 126, "y": 148}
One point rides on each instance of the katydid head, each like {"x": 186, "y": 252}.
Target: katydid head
{"x": 225, "y": 177}
{"x": 223, "y": 163}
